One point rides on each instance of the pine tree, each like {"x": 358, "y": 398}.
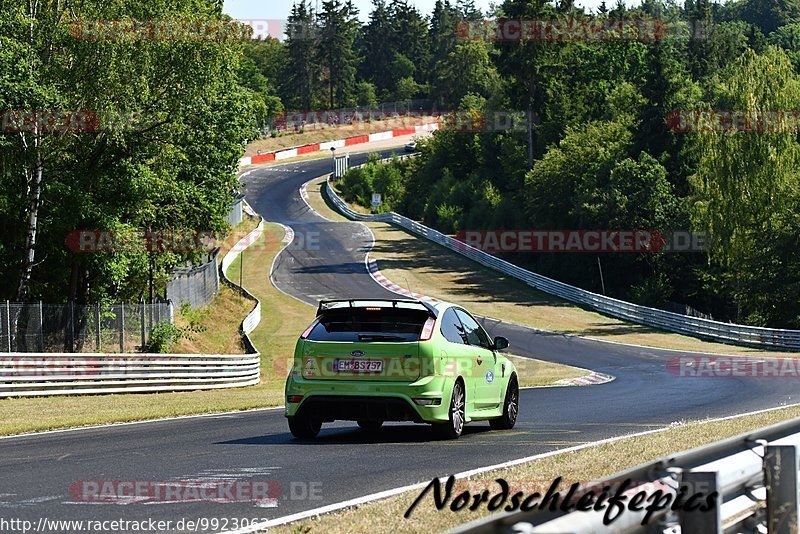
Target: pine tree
{"x": 376, "y": 49}
{"x": 338, "y": 28}
{"x": 301, "y": 73}
{"x": 444, "y": 21}
{"x": 410, "y": 36}
{"x": 701, "y": 44}
{"x": 468, "y": 10}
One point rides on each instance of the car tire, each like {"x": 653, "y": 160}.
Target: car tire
{"x": 457, "y": 415}
{"x": 510, "y": 408}
{"x": 370, "y": 426}
{"x": 304, "y": 427}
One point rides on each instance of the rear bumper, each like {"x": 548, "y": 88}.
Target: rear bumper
{"x": 359, "y": 401}
{"x": 354, "y": 408}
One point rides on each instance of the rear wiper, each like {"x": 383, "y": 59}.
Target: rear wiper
{"x": 379, "y": 337}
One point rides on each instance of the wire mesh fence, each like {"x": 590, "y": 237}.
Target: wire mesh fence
{"x": 196, "y": 286}
{"x": 116, "y": 328}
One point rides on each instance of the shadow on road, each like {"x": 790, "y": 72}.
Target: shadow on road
{"x": 355, "y": 436}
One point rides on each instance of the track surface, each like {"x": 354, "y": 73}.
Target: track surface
{"x": 36, "y": 471}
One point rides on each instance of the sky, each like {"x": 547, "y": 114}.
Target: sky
{"x": 279, "y": 9}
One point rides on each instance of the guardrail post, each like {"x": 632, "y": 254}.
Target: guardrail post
{"x": 781, "y": 467}
{"x": 696, "y": 521}
{"x": 122, "y": 328}
{"x": 8, "y": 323}
{"x": 98, "y": 336}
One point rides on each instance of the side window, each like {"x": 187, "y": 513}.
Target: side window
{"x": 475, "y": 334}
{"x": 452, "y": 329}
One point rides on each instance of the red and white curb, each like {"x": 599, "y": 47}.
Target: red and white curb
{"x": 375, "y": 273}
{"x": 339, "y": 143}
{"x": 592, "y": 379}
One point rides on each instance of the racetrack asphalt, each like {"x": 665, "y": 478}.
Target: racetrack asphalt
{"x": 37, "y": 471}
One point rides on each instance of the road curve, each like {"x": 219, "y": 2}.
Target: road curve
{"x": 36, "y": 472}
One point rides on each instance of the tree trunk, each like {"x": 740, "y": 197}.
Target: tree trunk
{"x": 34, "y": 198}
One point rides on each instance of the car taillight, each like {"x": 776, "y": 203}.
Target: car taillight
{"x": 427, "y": 329}
{"x": 308, "y": 330}
{"x": 294, "y": 398}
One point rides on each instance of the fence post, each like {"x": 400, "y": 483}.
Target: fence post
{"x": 71, "y": 326}
{"x": 41, "y": 326}
{"x": 142, "y": 319}
{"x": 783, "y": 503}
{"x": 98, "y": 336}
{"x": 8, "y": 323}
{"x": 122, "y": 328}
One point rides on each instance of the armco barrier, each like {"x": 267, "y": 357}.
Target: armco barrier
{"x": 35, "y": 374}
{"x": 764, "y": 338}
{"x": 46, "y": 374}
{"x": 748, "y": 484}
{"x": 254, "y": 317}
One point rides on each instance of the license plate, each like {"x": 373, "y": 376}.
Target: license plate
{"x": 357, "y": 366}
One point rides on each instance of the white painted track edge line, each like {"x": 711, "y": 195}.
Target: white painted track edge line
{"x": 143, "y": 421}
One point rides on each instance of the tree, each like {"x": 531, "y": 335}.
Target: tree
{"x": 443, "y": 35}
{"x": 410, "y": 37}
{"x": 467, "y": 69}
{"x": 165, "y": 125}
{"x": 301, "y": 71}
{"x": 338, "y": 27}
{"x": 521, "y": 62}
{"x": 377, "y": 49}
{"x": 769, "y": 15}
{"x": 746, "y": 184}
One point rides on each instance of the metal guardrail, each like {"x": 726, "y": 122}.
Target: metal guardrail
{"x": 254, "y": 317}
{"x": 755, "y": 476}
{"x": 37, "y": 374}
{"x": 46, "y": 374}
{"x": 764, "y": 338}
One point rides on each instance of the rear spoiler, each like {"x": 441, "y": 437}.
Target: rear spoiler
{"x": 363, "y": 303}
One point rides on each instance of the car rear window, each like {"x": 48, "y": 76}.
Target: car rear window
{"x": 384, "y": 325}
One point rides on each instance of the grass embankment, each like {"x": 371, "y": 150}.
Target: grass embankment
{"x": 594, "y": 463}
{"x": 433, "y": 270}
{"x": 282, "y": 318}
{"x": 322, "y": 135}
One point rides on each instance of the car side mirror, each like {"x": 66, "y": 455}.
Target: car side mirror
{"x": 500, "y": 343}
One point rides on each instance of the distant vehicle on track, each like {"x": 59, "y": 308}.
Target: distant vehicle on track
{"x": 411, "y": 147}
{"x": 372, "y": 361}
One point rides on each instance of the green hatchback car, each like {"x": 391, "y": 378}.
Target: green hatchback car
{"x": 372, "y": 361}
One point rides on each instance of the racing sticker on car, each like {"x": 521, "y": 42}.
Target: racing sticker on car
{"x": 489, "y": 377}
